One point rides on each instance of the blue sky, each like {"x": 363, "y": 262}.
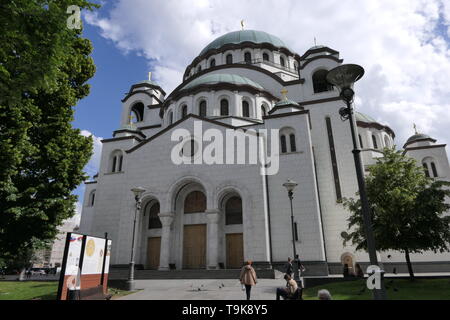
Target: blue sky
{"x": 404, "y": 46}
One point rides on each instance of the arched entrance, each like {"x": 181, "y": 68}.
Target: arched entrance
{"x": 349, "y": 260}
{"x": 150, "y": 234}
{"x": 194, "y": 231}
{"x": 234, "y": 237}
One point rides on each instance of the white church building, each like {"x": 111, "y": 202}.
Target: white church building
{"x": 215, "y": 215}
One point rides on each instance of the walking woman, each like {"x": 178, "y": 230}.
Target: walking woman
{"x": 248, "y": 277}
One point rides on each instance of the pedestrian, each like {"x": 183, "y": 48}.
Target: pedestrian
{"x": 290, "y": 290}
{"x": 301, "y": 269}
{"x": 248, "y": 277}
{"x": 289, "y": 267}
{"x": 324, "y": 294}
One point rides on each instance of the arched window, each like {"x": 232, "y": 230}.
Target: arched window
{"x": 320, "y": 83}
{"x": 137, "y": 112}
{"x": 170, "y": 117}
{"x": 91, "y": 198}
{"x": 263, "y": 111}
{"x": 199, "y": 68}
{"x": 152, "y": 209}
{"x": 433, "y": 169}
{"x": 184, "y": 111}
{"x": 195, "y": 202}
{"x": 425, "y": 168}
{"x": 360, "y": 141}
{"x": 229, "y": 59}
{"x": 292, "y": 142}
{"x": 266, "y": 57}
{"x": 120, "y": 162}
{"x": 224, "y": 108}
{"x": 387, "y": 144}
{"x": 248, "y": 57}
{"x": 282, "y": 62}
{"x": 202, "y": 109}
{"x": 116, "y": 161}
{"x": 212, "y": 63}
{"x": 283, "y": 144}
{"x": 233, "y": 211}
{"x": 374, "y": 141}
{"x": 245, "y": 109}
{"x": 286, "y": 133}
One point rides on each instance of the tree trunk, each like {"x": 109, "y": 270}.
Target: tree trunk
{"x": 408, "y": 262}
{"x": 22, "y": 274}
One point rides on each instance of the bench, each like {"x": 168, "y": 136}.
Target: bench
{"x": 94, "y": 293}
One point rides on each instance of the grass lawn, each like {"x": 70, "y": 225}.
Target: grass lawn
{"x": 27, "y": 290}
{"x": 397, "y": 289}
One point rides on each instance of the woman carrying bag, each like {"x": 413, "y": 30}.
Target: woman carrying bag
{"x": 248, "y": 277}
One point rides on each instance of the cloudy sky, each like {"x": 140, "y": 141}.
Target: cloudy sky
{"x": 404, "y": 46}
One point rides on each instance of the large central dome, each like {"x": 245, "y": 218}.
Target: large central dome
{"x": 237, "y": 37}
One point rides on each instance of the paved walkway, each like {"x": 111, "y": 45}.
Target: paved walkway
{"x": 202, "y": 290}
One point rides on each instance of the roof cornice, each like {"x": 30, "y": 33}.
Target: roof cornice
{"x": 242, "y": 45}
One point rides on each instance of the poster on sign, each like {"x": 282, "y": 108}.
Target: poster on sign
{"x": 85, "y": 266}
{"x": 93, "y": 256}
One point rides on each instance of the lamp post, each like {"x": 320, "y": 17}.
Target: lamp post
{"x": 290, "y": 186}
{"x": 344, "y": 77}
{"x": 137, "y": 197}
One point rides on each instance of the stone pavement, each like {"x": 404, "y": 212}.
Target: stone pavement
{"x": 216, "y": 289}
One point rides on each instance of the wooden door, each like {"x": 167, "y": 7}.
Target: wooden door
{"x": 153, "y": 252}
{"x": 194, "y": 246}
{"x": 235, "y": 250}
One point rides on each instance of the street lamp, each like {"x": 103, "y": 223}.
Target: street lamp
{"x": 137, "y": 197}
{"x": 344, "y": 77}
{"x": 290, "y": 186}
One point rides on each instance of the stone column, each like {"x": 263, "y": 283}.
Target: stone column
{"x": 166, "y": 221}
{"x": 213, "y": 216}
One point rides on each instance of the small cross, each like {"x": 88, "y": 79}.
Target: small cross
{"x": 315, "y": 42}
{"x": 242, "y": 24}
{"x": 284, "y": 93}
{"x": 415, "y": 128}
{"x": 149, "y": 76}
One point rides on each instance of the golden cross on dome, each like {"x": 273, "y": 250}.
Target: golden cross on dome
{"x": 284, "y": 92}
{"x": 242, "y": 24}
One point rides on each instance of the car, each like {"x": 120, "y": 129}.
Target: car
{"x": 38, "y": 272}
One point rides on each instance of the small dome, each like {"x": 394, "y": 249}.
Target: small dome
{"x": 417, "y": 137}
{"x": 237, "y": 37}
{"x": 148, "y": 82}
{"x": 316, "y": 47}
{"x": 222, "y": 78}
{"x": 286, "y": 102}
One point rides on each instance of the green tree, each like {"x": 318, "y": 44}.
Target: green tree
{"x": 44, "y": 67}
{"x": 407, "y": 208}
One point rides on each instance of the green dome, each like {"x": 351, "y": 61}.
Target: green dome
{"x": 222, "y": 78}
{"x": 418, "y": 136}
{"x": 364, "y": 118}
{"x": 286, "y": 102}
{"x": 237, "y": 37}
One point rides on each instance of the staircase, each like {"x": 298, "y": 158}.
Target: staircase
{"x": 122, "y": 274}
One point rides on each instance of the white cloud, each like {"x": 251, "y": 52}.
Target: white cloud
{"x": 94, "y": 163}
{"x": 407, "y": 61}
